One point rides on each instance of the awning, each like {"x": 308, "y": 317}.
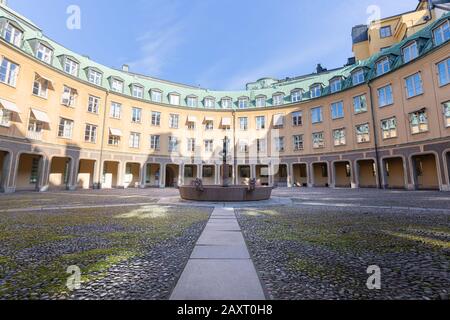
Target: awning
{"x": 115, "y": 132}
{"x": 191, "y": 119}
{"x": 50, "y": 81}
{"x": 209, "y": 119}
{"x": 40, "y": 116}
{"x": 278, "y": 120}
{"x": 8, "y": 105}
{"x": 226, "y": 122}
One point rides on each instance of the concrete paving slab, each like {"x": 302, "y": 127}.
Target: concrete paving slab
{"x": 220, "y": 252}
{"x": 218, "y": 238}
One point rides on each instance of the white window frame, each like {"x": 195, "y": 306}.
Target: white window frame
{"x": 316, "y": 91}
{"x": 95, "y": 77}
{"x": 209, "y": 145}
{"x": 260, "y": 122}
{"x": 318, "y": 140}
{"x": 136, "y": 115}
{"x": 279, "y": 144}
{"x": 296, "y": 96}
{"x": 134, "y": 140}
{"x": 15, "y": 35}
{"x": 385, "y": 90}
{"x": 358, "y": 77}
{"x": 363, "y": 136}
{"x": 93, "y": 104}
{"x": 298, "y": 142}
{"x": 5, "y": 117}
{"x": 339, "y": 137}
{"x": 69, "y": 97}
{"x": 65, "y": 128}
{"x": 40, "y": 87}
{"x": 446, "y": 75}
{"x": 410, "y": 52}
{"x": 441, "y": 33}
{"x": 422, "y": 124}
{"x": 226, "y": 103}
{"x": 174, "y": 121}
{"x": 155, "y": 142}
{"x": 335, "y": 108}
{"x": 173, "y": 144}
{"x": 414, "y": 85}
{"x": 278, "y": 99}
{"x": 90, "y": 133}
{"x": 243, "y": 103}
{"x": 156, "y": 119}
{"x": 44, "y": 53}
{"x": 260, "y": 101}
{"x": 297, "y": 118}
{"x": 336, "y": 85}
{"x": 190, "y": 145}
{"x": 358, "y": 105}
{"x": 446, "y": 112}
{"x": 385, "y": 35}
{"x": 209, "y": 103}
{"x": 138, "y": 91}
{"x": 174, "y": 99}
{"x": 113, "y": 140}
{"x": 116, "y": 110}
{"x": 9, "y": 72}
{"x": 192, "y": 102}
{"x": 320, "y": 120}
{"x": 243, "y": 123}
{"x": 117, "y": 85}
{"x": 156, "y": 95}
{"x": 71, "y": 66}
{"x": 383, "y": 66}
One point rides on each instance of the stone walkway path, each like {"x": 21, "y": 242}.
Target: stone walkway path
{"x": 220, "y": 267}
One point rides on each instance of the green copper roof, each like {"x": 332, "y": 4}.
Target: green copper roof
{"x": 265, "y": 86}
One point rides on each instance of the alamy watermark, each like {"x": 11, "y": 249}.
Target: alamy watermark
{"x": 73, "y": 21}
{"x": 74, "y": 280}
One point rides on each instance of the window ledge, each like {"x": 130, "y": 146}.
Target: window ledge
{"x": 417, "y": 95}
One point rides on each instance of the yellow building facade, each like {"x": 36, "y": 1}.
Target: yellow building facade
{"x": 67, "y": 122}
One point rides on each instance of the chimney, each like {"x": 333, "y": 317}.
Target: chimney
{"x": 320, "y": 69}
{"x": 351, "y": 61}
{"x": 126, "y": 68}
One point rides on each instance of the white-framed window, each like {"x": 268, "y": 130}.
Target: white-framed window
{"x": 336, "y": 85}
{"x": 360, "y": 104}
{"x": 192, "y": 102}
{"x": 174, "y": 99}
{"x": 9, "y": 72}
{"x": 261, "y": 145}
{"x": 318, "y": 140}
{"x": 71, "y": 67}
{"x": 362, "y": 133}
{"x": 155, "y": 142}
{"x": 297, "y": 118}
{"x": 191, "y": 125}
{"x": 414, "y": 85}
{"x": 410, "y": 52}
{"x": 5, "y": 117}
{"x": 209, "y": 145}
{"x": 209, "y": 125}
{"x": 90, "y": 133}
{"x": 278, "y": 99}
{"x": 95, "y": 77}
{"x": 296, "y": 96}
{"x": 40, "y": 87}
{"x": 227, "y": 103}
{"x": 446, "y": 111}
{"x": 444, "y": 72}
{"x": 117, "y": 85}
{"x": 156, "y": 118}
{"x": 138, "y": 92}
{"x": 173, "y": 144}
{"x": 385, "y": 32}
{"x": 136, "y": 115}
{"x": 260, "y": 122}
{"x": 358, "y": 77}
{"x": 385, "y": 96}
{"x": 35, "y": 126}
{"x": 65, "y": 128}
{"x": 339, "y": 137}
{"x": 243, "y": 123}
{"x": 174, "y": 121}
{"x": 69, "y": 96}
{"x": 156, "y": 95}
{"x": 116, "y": 110}
{"x": 383, "y": 66}
{"x": 389, "y": 128}
{"x": 243, "y": 146}
{"x": 44, "y": 53}
{"x": 316, "y": 115}
{"x": 134, "y": 140}
{"x": 442, "y": 33}
{"x": 298, "y": 142}
{"x": 209, "y": 103}
{"x": 418, "y": 121}
{"x": 93, "y": 104}
{"x": 113, "y": 140}
{"x": 260, "y": 102}
{"x": 316, "y": 91}
{"x": 191, "y": 145}
{"x": 337, "y": 110}
{"x": 279, "y": 144}
{"x": 243, "y": 103}
{"x": 12, "y": 35}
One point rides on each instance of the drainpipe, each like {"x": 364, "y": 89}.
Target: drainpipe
{"x": 377, "y": 156}
{"x": 234, "y": 149}
{"x": 102, "y": 143}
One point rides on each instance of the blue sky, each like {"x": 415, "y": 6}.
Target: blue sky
{"x": 215, "y": 44}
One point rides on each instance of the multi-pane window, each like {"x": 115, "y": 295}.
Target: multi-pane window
{"x": 44, "y": 53}
{"x": 261, "y": 145}
{"x": 65, "y": 128}
{"x": 418, "y": 121}
{"x": 93, "y": 104}
{"x": 174, "y": 99}
{"x": 318, "y": 140}
{"x": 5, "y": 117}
{"x": 117, "y": 85}
{"x": 156, "y": 118}
{"x": 113, "y": 140}
{"x": 243, "y": 103}
{"x": 209, "y": 103}
{"x": 358, "y": 77}
{"x": 260, "y": 123}
{"x": 446, "y": 111}
{"x": 337, "y": 110}
{"x": 383, "y": 66}
{"x": 360, "y": 103}
{"x": 40, "y": 87}
{"x": 136, "y": 115}
{"x": 95, "y": 77}
{"x": 414, "y": 86}
{"x": 155, "y": 142}
{"x": 209, "y": 146}
{"x": 278, "y": 99}
{"x": 9, "y": 72}
{"x": 191, "y": 145}
{"x": 442, "y": 33}
{"x": 444, "y": 72}
{"x": 298, "y": 142}
{"x": 260, "y": 101}
{"x": 296, "y": 96}
{"x": 192, "y": 102}
{"x": 209, "y": 125}
{"x": 173, "y": 144}
{"x": 138, "y": 92}
{"x": 12, "y": 35}
{"x": 243, "y": 124}
{"x": 34, "y": 125}
{"x": 69, "y": 96}
{"x": 156, "y": 96}
{"x": 279, "y": 144}
{"x": 389, "y": 128}
{"x": 90, "y": 133}
{"x": 243, "y": 146}
{"x": 316, "y": 91}
{"x": 410, "y": 52}
{"x": 385, "y": 97}
{"x": 115, "y": 111}
{"x": 227, "y": 103}
{"x": 385, "y": 32}
{"x": 339, "y": 137}
{"x": 191, "y": 125}
{"x": 174, "y": 120}
{"x": 297, "y": 118}
{"x": 336, "y": 85}
{"x": 34, "y": 174}
{"x": 134, "y": 140}
{"x": 362, "y": 133}
{"x": 316, "y": 115}
{"x": 71, "y": 67}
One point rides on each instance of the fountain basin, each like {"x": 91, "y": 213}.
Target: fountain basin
{"x": 225, "y": 194}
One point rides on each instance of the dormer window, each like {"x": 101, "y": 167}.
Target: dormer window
{"x": 316, "y": 91}
{"x": 278, "y": 99}
{"x": 117, "y": 85}
{"x": 385, "y": 32}
{"x": 156, "y": 95}
{"x": 71, "y": 67}
{"x": 174, "y": 99}
{"x": 94, "y": 77}
{"x": 192, "y": 101}
{"x": 209, "y": 103}
{"x": 137, "y": 91}
{"x": 410, "y": 52}
{"x": 358, "y": 77}
{"x": 336, "y": 85}
{"x": 243, "y": 102}
{"x": 296, "y": 96}
{"x": 383, "y": 66}
{"x": 260, "y": 101}
{"x": 227, "y": 103}
{"x": 44, "y": 53}
{"x": 12, "y": 34}
{"x": 442, "y": 33}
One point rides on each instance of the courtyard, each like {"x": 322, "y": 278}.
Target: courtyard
{"x": 304, "y": 243}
